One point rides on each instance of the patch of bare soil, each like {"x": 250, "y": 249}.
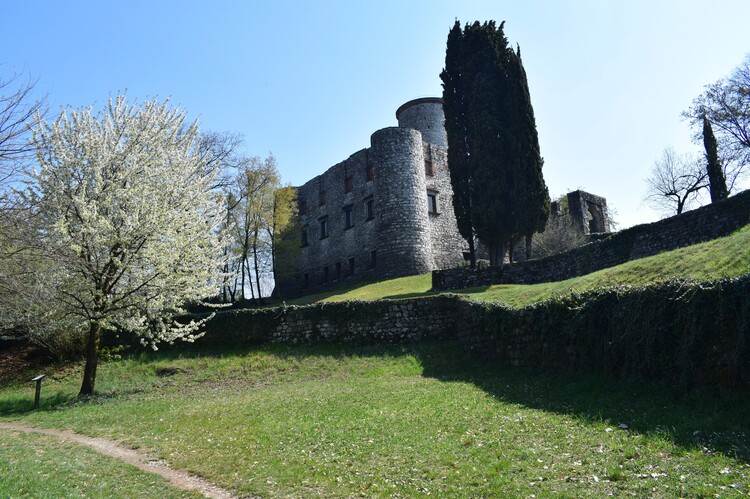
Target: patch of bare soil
{"x": 17, "y": 360}
{"x": 178, "y": 478}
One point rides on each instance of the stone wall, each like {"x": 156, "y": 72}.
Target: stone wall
{"x": 702, "y": 224}
{"x": 425, "y": 115}
{"x": 676, "y": 332}
{"x": 374, "y": 207}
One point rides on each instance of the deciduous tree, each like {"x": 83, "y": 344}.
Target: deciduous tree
{"x": 726, "y": 106}
{"x": 675, "y": 182}
{"x": 129, "y": 217}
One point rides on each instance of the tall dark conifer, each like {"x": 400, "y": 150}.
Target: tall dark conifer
{"x": 491, "y": 128}
{"x": 456, "y": 126}
{"x": 717, "y": 183}
{"x": 530, "y": 190}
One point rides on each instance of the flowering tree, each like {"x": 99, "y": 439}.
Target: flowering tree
{"x": 128, "y": 214}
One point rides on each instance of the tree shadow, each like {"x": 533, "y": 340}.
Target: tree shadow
{"x": 24, "y": 404}
{"x": 705, "y": 419}
{"x": 708, "y": 419}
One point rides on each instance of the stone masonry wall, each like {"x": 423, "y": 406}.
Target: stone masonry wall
{"x": 702, "y": 224}
{"x": 374, "y": 206}
{"x": 674, "y": 332}
{"x": 447, "y": 244}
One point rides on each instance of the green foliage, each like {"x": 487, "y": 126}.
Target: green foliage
{"x": 498, "y": 189}
{"x": 716, "y": 182}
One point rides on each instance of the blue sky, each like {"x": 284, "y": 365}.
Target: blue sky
{"x": 310, "y": 81}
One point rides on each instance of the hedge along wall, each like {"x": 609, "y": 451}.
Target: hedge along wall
{"x": 679, "y": 332}
{"x": 702, "y": 224}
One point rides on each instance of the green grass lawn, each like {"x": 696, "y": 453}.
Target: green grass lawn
{"x": 339, "y": 421}
{"x": 724, "y": 257}
{"x": 43, "y": 466}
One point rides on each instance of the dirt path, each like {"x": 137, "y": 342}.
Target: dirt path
{"x": 178, "y": 478}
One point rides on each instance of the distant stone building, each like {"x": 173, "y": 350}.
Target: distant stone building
{"x": 386, "y": 211}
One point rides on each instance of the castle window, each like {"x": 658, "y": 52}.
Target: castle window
{"x": 348, "y": 217}
{"x": 348, "y": 184}
{"x": 369, "y": 209}
{"x": 305, "y": 241}
{"x": 373, "y": 258}
{"x": 303, "y": 207}
{"x": 432, "y": 205}
{"x": 369, "y": 173}
{"x": 323, "y": 227}
{"x": 351, "y": 266}
{"x": 322, "y": 198}
{"x": 338, "y": 270}
{"x": 429, "y": 169}
{"x": 325, "y": 273}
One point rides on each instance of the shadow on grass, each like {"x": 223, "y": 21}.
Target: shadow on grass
{"x": 715, "y": 420}
{"x": 21, "y": 404}
{"x": 706, "y": 419}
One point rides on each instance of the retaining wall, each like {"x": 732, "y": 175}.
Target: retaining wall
{"x": 680, "y": 332}
{"x": 702, "y": 224}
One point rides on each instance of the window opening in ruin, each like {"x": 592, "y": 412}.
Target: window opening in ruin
{"x": 429, "y": 169}
{"x": 348, "y": 184}
{"x": 323, "y": 227}
{"x": 322, "y": 198}
{"x": 348, "y": 217}
{"x": 369, "y": 209}
{"x": 432, "y": 206}
{"x": 351, "y": 266}
{"x": 325, "y": 273}
{"x": 369, "y": 173}
{"x": 305, "y": 241}
{"x": 373, "y": 258}
{"x": 338, "y": 271}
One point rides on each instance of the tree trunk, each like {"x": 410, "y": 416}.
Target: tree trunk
{"x": 242, "y": 280}
{"x": 257, "y": 270}
{"x": 92, "y": 359}
{"x": 472, "y": 253}
{"x": 528, "y": 246}
{"x": 510, "y": 251}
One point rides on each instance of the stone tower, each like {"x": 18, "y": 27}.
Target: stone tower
{"x": 384, "y": 212}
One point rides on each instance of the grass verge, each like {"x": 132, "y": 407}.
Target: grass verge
{"x": 44, "y": 466}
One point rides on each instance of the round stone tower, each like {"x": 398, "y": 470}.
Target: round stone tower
{"x": 425, "y": 115}
{"x": 401, "y": 199}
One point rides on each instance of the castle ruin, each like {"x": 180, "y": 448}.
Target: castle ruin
{"x": 387, "y": 210}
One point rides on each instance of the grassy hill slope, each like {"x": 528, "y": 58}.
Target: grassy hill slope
{"x": 724, "y": 257}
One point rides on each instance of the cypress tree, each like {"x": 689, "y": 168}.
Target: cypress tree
{"x": 717, "y": 184}
{"x": 493, "y": 147}
{"x": 454, "y": 107}
{"x": 530, "y": 193}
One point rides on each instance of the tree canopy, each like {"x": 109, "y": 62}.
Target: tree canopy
{"x": 726, "y": 106}
{"x": 127, "y": 211}
{"x": 493, "y": 146}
